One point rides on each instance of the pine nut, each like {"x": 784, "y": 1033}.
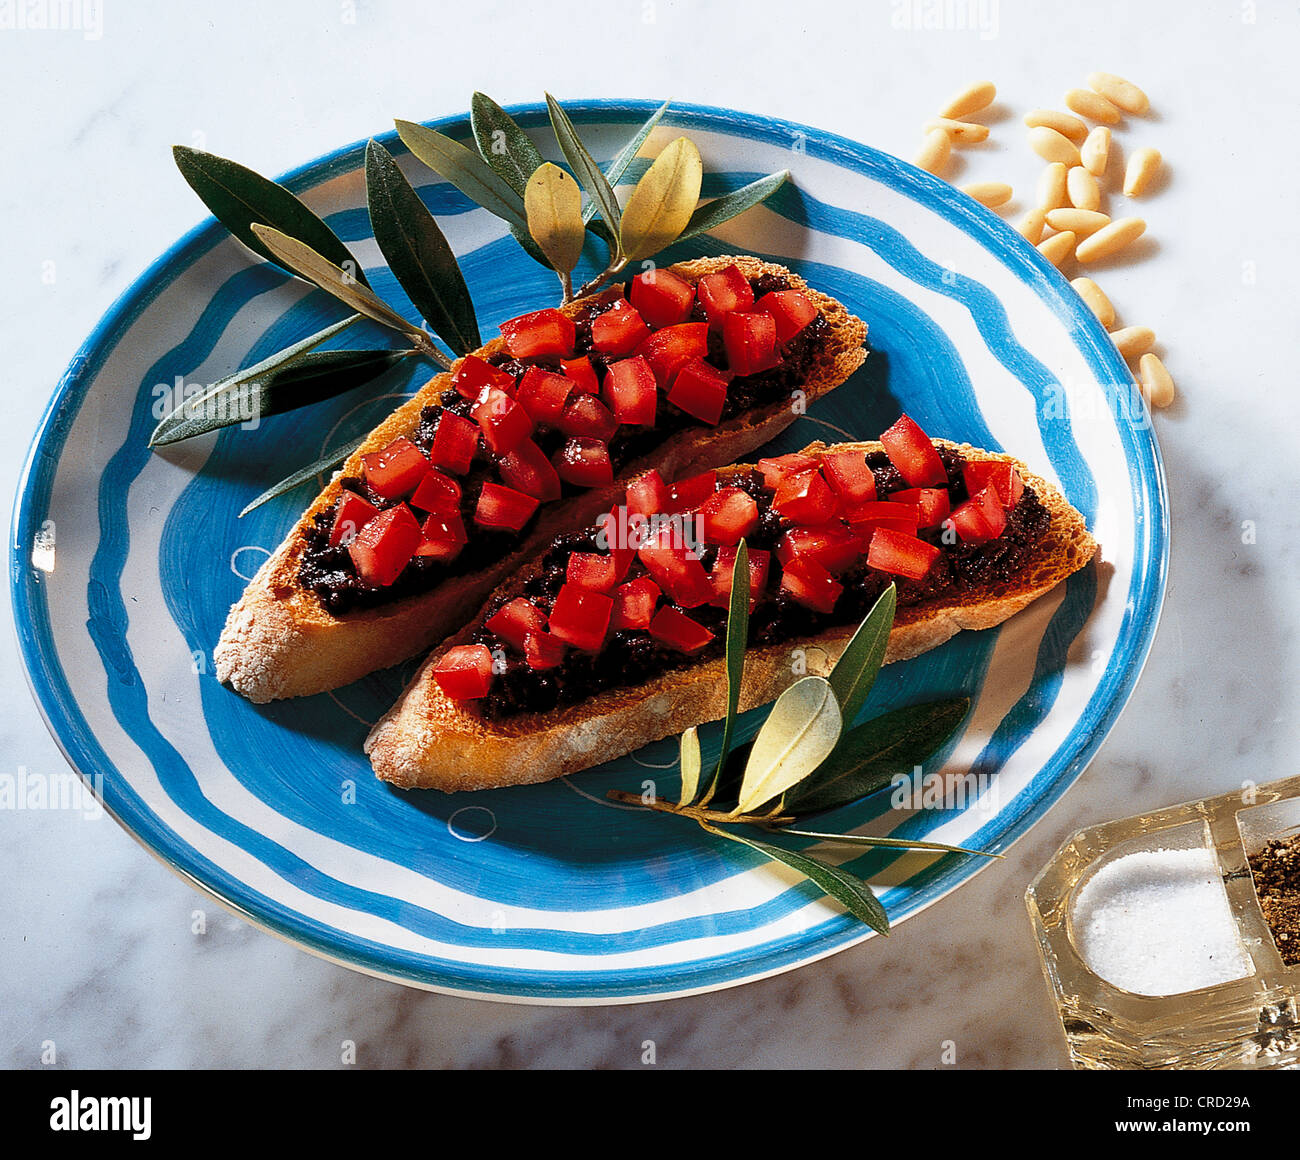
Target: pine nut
{"x": 1082, "y": 188}
{"x": 1057, "y": 248}
{"x": 1053, "y": 146}
{"x": 1052, "y": 186}
{"x": 1063, "y": 123}
{"x": 1132, "y": 341}
{"x": 970, "y": 100}
{"x": 1081, "y": 221}
{"x": 989, "y": 193}
{"x": 1096, "y": 151}
{"x": 1119, "y": 92}
{"x": 962, "y": 132}
{"x": 934, "y": 152}
{"x": 1142, "y": 167}
{"x": 1111, "y": 239}
{"x": 1096, "y": 301}
{"x": 1156, "y": 382}
{"x": 1092, "y": 105}
{"x": 1031, "y": 226}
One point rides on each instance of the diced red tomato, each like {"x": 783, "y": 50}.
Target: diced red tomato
{"x": 670, "y": 349}
{"x": 474, "y": 375}
{"x": 539, "y": 334}
{"x": 583, "y": 374}
{"x": 648, "y": 495}
{"x": 527, "y": 469}
{"x": 542, "y": 650}
{"x": 543, "y": 393}
{"x": 503, "y": 507}
{"x": 760, "y": 562}
{"x": 723, "y": 292}
{"x": 619, "y": 330}
{"x": 686, "y": 495}
{"x": 900, "y": 554}
{"x": 833, "y": 546}
{"x": 863, "y": 518}
{"x": 791, "y": 311}
{"x": 464, "y": 672}
{"x": 592, "y": 570}
{"x": 811, "y": 584}
{"x": 587, "y": 415}
{"x": 436, "y": 493}
{"x": 454, "y": 442}
{"x": 932, "y": 504}
{"x": 979, "y": 474}
{"x": 700, "y": 389}
{"x": 910, "y": 450}
{"x": 515, "y": 620}
{"x": 385, "y": 546}
{"x": 980, "y": 518}
{"x": 394, "y": 471}
{"x": 780, "y": 467}
{"x": 350, "y": 516}
{"x": 806, "y": 499}
{"x": 584, "y": 462}
{"x": 679, "y": 631}
{"x": 444, "y": 536}
{"x": 729, "y": 514}
{"x": 580, "y": 617}
{"x": 634, "y": 603}
{"x": 750, "y": 342}
{"x": 505, "y": 423}
{"x": 631, "y": 391}
{"x": 620, "y": 539}
{"x": 676, "y": 571}
{"x": 847, "y": 472}
{"x": 662, "y": 297}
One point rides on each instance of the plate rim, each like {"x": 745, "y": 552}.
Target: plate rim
{"x": 976, "y": 222}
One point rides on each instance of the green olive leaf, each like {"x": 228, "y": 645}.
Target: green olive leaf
{"x": 884, "y": 843}
{"x": 690, "y": 762}
{"x": 737, "y": 639}
{"x": 627, "y": 155}
{"x": 595, "y": 182}
{"x": 855, "y": 672}
{"x": 303, "y": 474}
{"x": 798, "y": 735}
{"x": 662, "y": 202}
{"x": 502, "y": 143}
{"x": 553, "y": 204}
{"x": 723, "y": 209}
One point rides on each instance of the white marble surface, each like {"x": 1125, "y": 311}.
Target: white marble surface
{"x": 96, "y": 949}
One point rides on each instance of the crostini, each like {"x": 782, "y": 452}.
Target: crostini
{"x": 684, "y": 368}
{"x": 615, "y": 636}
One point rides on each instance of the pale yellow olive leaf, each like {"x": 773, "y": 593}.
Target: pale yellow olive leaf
{"x": 690, "y": 761}
{"x": 662, "y": 202}
{"x": 553, "y": 205}
{"x": 798, "y": 735}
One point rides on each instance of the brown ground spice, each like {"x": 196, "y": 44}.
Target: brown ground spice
{"x": 1276, "y": 870}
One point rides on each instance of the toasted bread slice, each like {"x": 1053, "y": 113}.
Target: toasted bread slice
{"x": 280, "y": 641}
{"x": 428, "y": 741}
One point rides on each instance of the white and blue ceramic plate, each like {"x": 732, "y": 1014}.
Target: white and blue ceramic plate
{"x": 126, "y": 561}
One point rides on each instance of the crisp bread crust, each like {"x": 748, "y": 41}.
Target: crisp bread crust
{"x": 280, "y": 641}
{"x": 428, "y": 741}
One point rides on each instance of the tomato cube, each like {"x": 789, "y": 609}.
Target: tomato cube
{"x": 700, "y": 389}
{"x": 619, "y": 330}
{"x": 592, "y": 570}
{"x": 980, "y": 518}
{"x": 543, "y": 650}
{"x": 394, "y": 471}
{"x": 780, "y": 467}
{"x": 631, "y": 391}
{"x": 730, "y": 515}
{"x": 581, "y": 617}
{"x": 475, "y": 375}
{"x": 662, "y": 298}
{"x": 686, "y": 495}
{"x": 648, "y": 495}
{"x": 527, "y": 469}
{"x": 539, "y": 334}
{"x": 385, "y": 546}
{"x": 833, "y": 546}
{"x": 505, "y": 423}
{"x": 454, "y": 442}
{"x": 634, "y": 604}
{"x": 587, "y": 415}
{"x": 350, "y": 515}
{"x": 670, "y": 349}
{"x": 790, "y": 310}
{"x": 583, "y": 374}
{"x": 464, "y": 672}
{"x": 444, "y": 536}
{"x": 932, "y": 504}
{"x": 810, "y": 584}
{"x": 900, "y": 554}
{"x": 503, "y": 507}
{"x": 863, "y": 518}
{"x": 678, "y": 631}
{"x": 543, "y": 393}
{"x": 724, "y": 567}
{"x": 436, "y": 493}
{"x": 806, "y": 499}
{"x": 1005, "y": 479}
{"x": 675, "y": 570}
{"x": 847, "y": 472}
{"x": 750, "y": 342}
{"x": 515, "y": 620}
{"x": 911, "y": 451}
{"x": 584, "y": 462}
{"x": 723, "y": 292}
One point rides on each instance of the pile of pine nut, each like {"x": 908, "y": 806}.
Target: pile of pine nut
{"x": 1068, "y": 221}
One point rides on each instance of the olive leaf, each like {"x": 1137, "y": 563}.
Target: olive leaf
{"x": 417, "y": 252}
{"x": 502, "y": 143}
{"x": 871, "y": 754}
{"x": 662, "y": 202}
{"x": 303, "y": 474}
{"x": 799, "y": 734}
{"x": 627, "y": 155}
{"x": 737, "y": 638}
{"x": 690, "y": 763}
{"x": 854, "y": 894}
{"x": 886, "y": 843}
{"x": 238, "y": 197}
{"x": 855, "y": 672}
{"x": 595, "y": 182}
{"x": 553, "y": 204}
{"x": 722, "y": 209}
